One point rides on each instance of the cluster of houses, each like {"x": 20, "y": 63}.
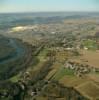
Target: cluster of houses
{"x": 80, "y": 69}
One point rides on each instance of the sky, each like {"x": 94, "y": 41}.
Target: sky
{"x": 48, "y": 5}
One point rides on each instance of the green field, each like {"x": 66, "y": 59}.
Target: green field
{"x": 42, "y": 54}
{"x": 62, "y": 72}
{"x": 15, "y": 78}
{"x": 90, "y": 44}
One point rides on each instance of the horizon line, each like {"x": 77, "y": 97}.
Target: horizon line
{"x": 49, "y": 12}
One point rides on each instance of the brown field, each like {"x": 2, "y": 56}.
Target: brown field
{"x": 50, "y": 74}
{"x": 62, "y": 56}
{"x": 88, "y": 57}
{"x": 90, "y": 90}
{"x": 71, "y": 81}
{"x": 85, "y": 86}
{"x": 94, "y": 77}
{"x": 41, "y": 98}
{"x": 61, "y": 99}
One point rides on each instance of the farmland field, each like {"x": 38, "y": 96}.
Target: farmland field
{"x": 88, "y": 57}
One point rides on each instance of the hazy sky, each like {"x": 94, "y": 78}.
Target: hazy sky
{"x": 48, "y": 5}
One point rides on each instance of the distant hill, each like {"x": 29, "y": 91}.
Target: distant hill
{"x": 13, "y": 19}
